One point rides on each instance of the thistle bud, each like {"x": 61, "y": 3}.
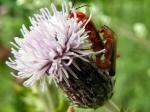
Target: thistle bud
{"x": 90, "y": 88}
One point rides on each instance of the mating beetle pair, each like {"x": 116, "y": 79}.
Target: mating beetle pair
{"x": 108, "y": 42}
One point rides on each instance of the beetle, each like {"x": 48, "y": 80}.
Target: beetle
{"x": 108, "y": 42}
{"x": 111, "y": 48}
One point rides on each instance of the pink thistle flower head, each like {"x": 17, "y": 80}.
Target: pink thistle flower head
{"x": 49, "y": 46}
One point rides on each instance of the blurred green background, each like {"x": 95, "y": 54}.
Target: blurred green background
{"x": 129, "y": 19}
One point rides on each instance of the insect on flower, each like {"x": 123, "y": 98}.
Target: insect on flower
{"x": 95, "y": 81}
{"x": 59, "y": 47}
{"x": 108, "y": 43}
{"x": 50, "y": 46}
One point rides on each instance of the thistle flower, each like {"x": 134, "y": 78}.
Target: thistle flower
{"x": 50, "y": 46}
{"x": 58, "y": 47}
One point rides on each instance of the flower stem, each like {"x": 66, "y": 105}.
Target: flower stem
{"x": 111, "y": 106}
{"x": 50, "y": 101}
{"x": 71, "y": 109}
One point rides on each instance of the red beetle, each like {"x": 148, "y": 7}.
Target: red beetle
{"x": 108, "y": 42}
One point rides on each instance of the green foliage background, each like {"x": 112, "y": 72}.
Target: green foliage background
{"x": 129, "y": 19}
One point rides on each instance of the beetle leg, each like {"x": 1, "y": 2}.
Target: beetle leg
{"x": 105, "y": 64}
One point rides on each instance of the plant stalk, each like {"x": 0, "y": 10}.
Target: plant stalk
{"x": 111, "y": 106}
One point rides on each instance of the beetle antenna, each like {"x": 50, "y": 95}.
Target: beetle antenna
{"x": 74, "y": 2}
{"x": 85, "y": 5}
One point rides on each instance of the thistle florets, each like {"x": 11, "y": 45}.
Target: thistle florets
{"x": 49, "y": 46}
